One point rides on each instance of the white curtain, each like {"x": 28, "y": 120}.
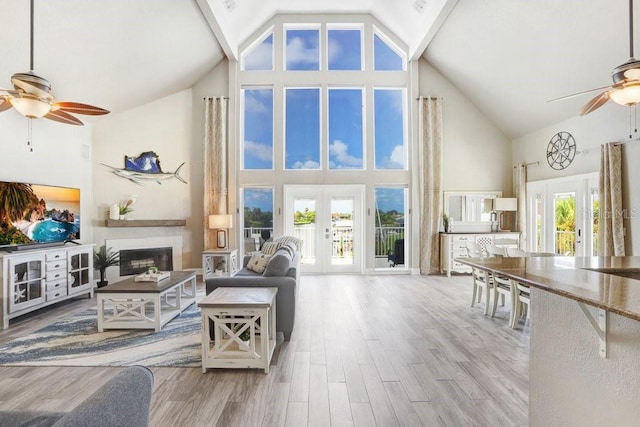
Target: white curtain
{"x": 610, "y": 216}
{"x": 520, "y": 186}
{"x": 430, "y": 184}
{"x": 215, "y": 164}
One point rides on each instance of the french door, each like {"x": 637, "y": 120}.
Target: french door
{"x": 563, "y": 215}
{"x": 329, "y": 219}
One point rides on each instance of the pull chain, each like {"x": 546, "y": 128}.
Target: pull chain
{"x": 29, "y": 135}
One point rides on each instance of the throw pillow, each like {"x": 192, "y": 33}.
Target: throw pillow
{"x": 258, "y": 262}
{"x": 289, "y": 249}
{"x": 278, "y": 265}
{"x": 270, "y": 248}
{"x": 290, "y": 239}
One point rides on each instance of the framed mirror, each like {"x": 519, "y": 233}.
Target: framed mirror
{"x": 470, "y": 207}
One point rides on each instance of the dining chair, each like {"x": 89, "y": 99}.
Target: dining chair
{"x": 522, "y": 306}
{"x": 494, "y": 250}
{"x": 515, "y": 252}
{"x": 503, "y": 287}
{"x": 482, "y": 280}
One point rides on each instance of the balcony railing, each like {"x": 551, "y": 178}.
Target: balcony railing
{"x": 342, "y": 239}
{"x": 566, "y": 243}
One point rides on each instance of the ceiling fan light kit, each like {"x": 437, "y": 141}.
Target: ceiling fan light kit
{"x": 625, "y": 89}
{"x": 32, "y": 97}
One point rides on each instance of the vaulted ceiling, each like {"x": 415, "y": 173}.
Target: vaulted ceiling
{"x": 507, "y": 56}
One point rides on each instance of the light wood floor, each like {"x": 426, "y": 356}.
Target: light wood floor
{"x": 366, "y": 350}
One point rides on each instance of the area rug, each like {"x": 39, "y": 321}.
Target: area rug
{"x": 75, "y": 341}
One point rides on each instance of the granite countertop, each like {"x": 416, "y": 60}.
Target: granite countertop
{"x": 610, "y": 283}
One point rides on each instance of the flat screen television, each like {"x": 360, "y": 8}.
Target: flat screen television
{"x": 38, "y": 215}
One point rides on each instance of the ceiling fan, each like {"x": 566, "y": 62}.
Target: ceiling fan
{"x": 31, "y": 96}
{"x": 625, "y": 89}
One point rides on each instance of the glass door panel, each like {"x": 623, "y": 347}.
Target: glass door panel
{"x": 304, "y": 224}
{"x": 342, "y": 231}
{"x": 564, "y": 207}
{"x": 328, "y": 218}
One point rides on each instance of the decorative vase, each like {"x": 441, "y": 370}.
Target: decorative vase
{"x": 114, "y": 212}
{"x": 122, "y": 217}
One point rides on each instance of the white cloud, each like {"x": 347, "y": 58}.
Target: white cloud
{"x": 254, "y": 103}
{"x": 261, "y": 58}
{"x": 397, "y": 155}
{"x": 309, "y": 164}
{"x": 334, "y": 50}
{"x": 258, "y": 150}
{"x": 340, "y": 155}
{"x": 297, "y": 52}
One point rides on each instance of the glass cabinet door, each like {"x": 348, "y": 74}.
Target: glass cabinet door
{"x": 26, "y": 283}
{"x": 80, "y": 266}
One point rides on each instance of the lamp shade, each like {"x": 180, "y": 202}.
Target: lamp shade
{"x": 505, "y": 204}
{"x": 220, "y": 221}
{"x": 30, "y": 107}
{"x": 627, "y": 95}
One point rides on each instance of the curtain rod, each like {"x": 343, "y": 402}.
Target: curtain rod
{"x": 530, "y": 164}
{"x": 432, "y": 98}
{"x": 212, "y": 97}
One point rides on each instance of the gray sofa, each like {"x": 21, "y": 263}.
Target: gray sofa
{"x": 286, "y": 284}
{"x": 124, "y": 400}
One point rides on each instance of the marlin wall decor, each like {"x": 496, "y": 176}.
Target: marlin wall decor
{"x": 145, "y": 167}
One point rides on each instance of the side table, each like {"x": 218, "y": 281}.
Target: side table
{"x": 211, "y": 263}
{"x": 238, "y": 328}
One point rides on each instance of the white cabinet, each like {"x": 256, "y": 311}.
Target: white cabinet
{"x": 36, "y": 278}
{"x": 454, "y": 245}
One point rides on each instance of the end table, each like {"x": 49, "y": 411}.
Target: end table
{"x": 219, "y": 262}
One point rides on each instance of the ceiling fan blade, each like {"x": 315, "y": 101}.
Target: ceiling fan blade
{"x": 78, "y": 108}
{"x": 4, "y": 104}
{"x": 62, "y": 117}
{"x": 595, "y": 103}
{"x": 578, "y": 93}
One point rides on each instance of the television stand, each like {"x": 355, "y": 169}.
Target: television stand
{"x": 29, "y": 246}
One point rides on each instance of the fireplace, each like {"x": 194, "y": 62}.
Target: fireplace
{"x": 137, "y": 255}
{"x": 136, "y": 261}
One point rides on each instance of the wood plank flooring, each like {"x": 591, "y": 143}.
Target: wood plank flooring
{"x": 385, "y": 350}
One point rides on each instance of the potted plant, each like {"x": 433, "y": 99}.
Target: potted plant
{"x": 445, "y": 222}
{"x": 125, "y": 207}
{"x": 102, "y": 258}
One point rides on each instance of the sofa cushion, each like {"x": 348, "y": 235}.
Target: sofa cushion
{"x": 288, "y": 248}
{"x": 258, "y": 262}
{"x": 278, "y": 265}
{"x": 270, "y": 248}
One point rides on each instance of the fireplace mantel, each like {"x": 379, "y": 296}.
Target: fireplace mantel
{"x": 145, "y": 222}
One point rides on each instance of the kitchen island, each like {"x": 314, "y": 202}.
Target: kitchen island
{"x": 584, "y": 366}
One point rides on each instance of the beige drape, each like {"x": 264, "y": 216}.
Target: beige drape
{"x": 610, "y": 215}
{"x": 430, "y": 141}
{"x": 520, "y": 186}
{"x": 215, "y": 164}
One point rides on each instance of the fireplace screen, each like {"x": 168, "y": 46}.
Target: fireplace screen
{"x": 136, "y": 261}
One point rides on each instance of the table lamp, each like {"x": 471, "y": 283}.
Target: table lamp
{"x": 505, "y": 204}
{"x": 221, "y": 223}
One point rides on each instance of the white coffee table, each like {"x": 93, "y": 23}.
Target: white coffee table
{"x": 145, "y": 305}
{"x": 226, "y": 313}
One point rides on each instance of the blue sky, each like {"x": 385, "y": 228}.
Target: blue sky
{"x": 390, "y": 198}
{"x": 258, "y": 198}
{"x": 303, "y": 109}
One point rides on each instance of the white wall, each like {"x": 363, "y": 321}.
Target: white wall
{"x": 163, "y": 126}
{"x": 569, "y": 383}
{"x": 173, "y": 127}
{"x": 608, "y": 124}
{"x": 61, "y": 156}
{"x": 477, "y": 155}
